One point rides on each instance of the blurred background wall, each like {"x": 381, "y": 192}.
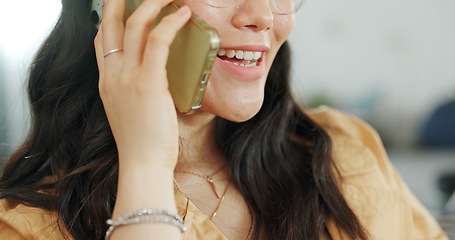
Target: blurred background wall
{"x": 3, "y": 119}
{"x": 390, "y": 62}
{"x": 23, "y": 26}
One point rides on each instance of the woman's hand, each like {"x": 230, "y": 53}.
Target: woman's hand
{"x": 133, "y": 83}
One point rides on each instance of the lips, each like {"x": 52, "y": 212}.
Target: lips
{"x": 243, "y": 65}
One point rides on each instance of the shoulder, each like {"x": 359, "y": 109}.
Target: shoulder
{"x": 364, "y": 172}
{"x": 23, "y": 222}
{"x": 359, "y": 157}
{"x": 369, "y": 182}
{"x": 356, "y": 145}
{"x": 341, "y": 124}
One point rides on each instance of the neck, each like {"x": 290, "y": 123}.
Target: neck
{"x": 198, "y": 145}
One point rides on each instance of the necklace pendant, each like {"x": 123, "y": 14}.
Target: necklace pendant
{"x": 213, "y": 187}
{"x": 209, "y": 179}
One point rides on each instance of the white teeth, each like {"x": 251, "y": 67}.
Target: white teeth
{"x": 221, "y": 52}
{"x": 239, "y": 54}
{"x": 257, "y": 55}
{"x": 250, "y": 64}
{"x": 230, "y": 53}
{"x": 248, "y": 56}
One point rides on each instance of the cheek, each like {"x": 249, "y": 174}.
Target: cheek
{"x": 282, "y": 27}
{"x": 210, "y": 15}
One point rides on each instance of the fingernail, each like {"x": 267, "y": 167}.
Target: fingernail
{"x": 183, "y": 10}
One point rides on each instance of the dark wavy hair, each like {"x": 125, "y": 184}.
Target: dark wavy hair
{"x": 280, "y": 159}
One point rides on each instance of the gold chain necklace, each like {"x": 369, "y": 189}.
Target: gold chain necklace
{"x": 209, "y": 179}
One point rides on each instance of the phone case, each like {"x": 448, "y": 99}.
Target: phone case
{"x": 191, "y": 54}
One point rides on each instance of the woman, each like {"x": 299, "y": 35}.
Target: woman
{"x": 249, "y": 165}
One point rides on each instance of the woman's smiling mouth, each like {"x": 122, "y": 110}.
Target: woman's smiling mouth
{"x": 240, "y": 57}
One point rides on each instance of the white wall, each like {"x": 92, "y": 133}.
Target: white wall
{"x": 389, "y": 61}
{"x": 24, "y": 24}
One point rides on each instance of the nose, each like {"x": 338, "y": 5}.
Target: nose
{"x": 256, "y": 15}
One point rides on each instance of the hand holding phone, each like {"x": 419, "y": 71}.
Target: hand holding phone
{"x": 133, "y": 84}
{"x": 191, "y": 54}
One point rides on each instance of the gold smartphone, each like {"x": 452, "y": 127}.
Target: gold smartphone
{"x": 191, "y": 55}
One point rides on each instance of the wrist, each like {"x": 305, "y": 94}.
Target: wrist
{"x": 137, "y": 161}
{"x": 145, "y": 187}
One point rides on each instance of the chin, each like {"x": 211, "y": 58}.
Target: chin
{"x": 231, "y": 98}
{"x": 235, "y": 110}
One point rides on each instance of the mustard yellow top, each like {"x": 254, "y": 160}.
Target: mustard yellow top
{"x": 370, "y": 184}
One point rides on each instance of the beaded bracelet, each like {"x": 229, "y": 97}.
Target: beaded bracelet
{"x": 146, "y": 216}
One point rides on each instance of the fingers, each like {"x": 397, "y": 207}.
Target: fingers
{"x": 138, "y": 28}
{"x": 145, "y": 50}
{"x": 109, "y": 37}
{"x": 161, "y": 37}
{"x": 113, "y": 28}
{"x": 98, "y": 42}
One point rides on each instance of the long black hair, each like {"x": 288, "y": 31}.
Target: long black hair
{"x": 280, "y": 159}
